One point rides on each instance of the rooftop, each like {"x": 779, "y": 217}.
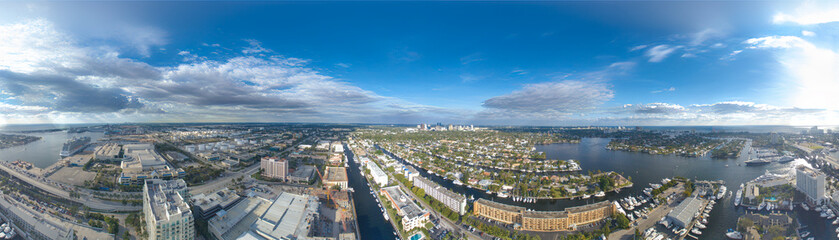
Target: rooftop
{"x": 403, "y": 202}
{"x": 165, "y": 200}
{"x": 336, "y": 174}
{"x": 501, "y": 206}
{"x": 686, "y": 210}
{"x": 288, "y": 217}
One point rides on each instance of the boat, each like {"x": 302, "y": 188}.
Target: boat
{"x": 757, "y": 162}
{"x": 74, "y": 146}
{"x": 700, "y": 226}
{"x": 696, "y": 231}
{"x": 457, "y": 182}
{"x": 761, "y": 206}
{"x": 502, "y": 195}
{"x": 836, "y": 222}
{"x": 804, "y": 205}
{"x": 586, "y": 196}
{"x": 805, "y": 234}
{"x": 721, "y": 193}
{"x": 386, "y": 217}
{"x": 731, "y": 234}
{"x": 600, "y": 194}
{"x": 738, "y": 197}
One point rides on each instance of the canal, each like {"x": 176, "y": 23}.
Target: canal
{"x": 371, "y": 221}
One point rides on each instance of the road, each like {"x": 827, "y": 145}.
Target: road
{"x": 652, "y": 218}
{"x": 225, "y": 181}
{"x": 86, "y": 200}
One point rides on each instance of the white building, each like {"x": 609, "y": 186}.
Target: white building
{"x": 168, "y": 216}
{"x": 379, "y": 176}
{"x": 412, "y": 215}
{"x": 810, "y": 182}
{"x": 289, "y": 217}
{"x": 452, "y": 200}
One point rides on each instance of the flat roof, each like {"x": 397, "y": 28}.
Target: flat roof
{"x": 165, "y": 201}
{"x": 335, "y": 174}
{"x": 403, "y": 202}
{"x": 287, "y": 217}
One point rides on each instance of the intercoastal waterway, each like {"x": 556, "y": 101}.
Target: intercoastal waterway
{"x": 643, "y": 169}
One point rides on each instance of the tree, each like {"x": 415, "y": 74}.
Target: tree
{"x": 623, "y": 222}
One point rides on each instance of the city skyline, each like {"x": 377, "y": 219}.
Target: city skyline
{"x": 497, "y": 63}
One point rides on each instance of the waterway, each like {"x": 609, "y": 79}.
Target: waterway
{"x": 643, "y": 169}
{"x": 371, "y": 221}
{"x": 44, "y": 152}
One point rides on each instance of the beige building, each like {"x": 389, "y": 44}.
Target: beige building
{"x": 565, "y": 220}
{"x": 273, "y": 167}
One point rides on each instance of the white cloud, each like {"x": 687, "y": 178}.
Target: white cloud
{"x": 671, "y": 89}
{"x": 660, "y": 52}
{"x": 561, "y": 97}
{"x": 811, "y": 72}
{"x": 471, "y": 58}
{"x": 809, "y": 13}
{"x": 808, "y": 33}
{"x": 636, "y": 48}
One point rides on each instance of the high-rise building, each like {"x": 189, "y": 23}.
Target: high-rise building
{"x": 273, "y": 167}
{"x": 810, "y": 182}
{"x": 168, "y": 216}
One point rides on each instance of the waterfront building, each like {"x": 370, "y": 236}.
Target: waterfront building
{"x": 273, "y": 167}
{"x": 810, "y": 182}
{"x": 141, "y": 162}
{"x": 208, "y": 205}
{"x": 564, "y": 220}
{"x": 452, "y": 200}
{"x": 336, "y": 176}
{"x": 684, "y": 213}
{"x": 167, "y": 215}
{"x": 379, "y": 176}
{"x": 290, "y": 216}
{"x": 412, "y": 215}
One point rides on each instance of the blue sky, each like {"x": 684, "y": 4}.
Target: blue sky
{"x": 549, "y": 63}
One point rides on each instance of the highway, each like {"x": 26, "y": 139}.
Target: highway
{"x": 86, "y": 200}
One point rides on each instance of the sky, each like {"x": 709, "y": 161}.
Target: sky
{"x": 629, "y": 63}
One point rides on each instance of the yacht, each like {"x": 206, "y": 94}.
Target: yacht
{"x": 696, "y": 231}
{"x": 700, "y": 226}
{"x": 721, "y": 193}
{"x": 804, "y": 205}
{"x": 586, "y": 196}
{"x": 731, "y": 234}
{"x": 502, "y": 195}
{"x": 738, "y": 197}
{"x": 600, "y": 194}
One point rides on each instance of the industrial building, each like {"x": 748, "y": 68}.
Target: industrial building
{"x": 290, "y": 216}
{"x": 412, "y": 215}
{"x": 684, "y": 213}
{"x": 230, "y": 223}
{"x": 108, "y": 152}
{"x": 452, "y": 200}
{"x": 141, "y": 162}
{"x": 167, "y": 214}
{"x": 302, "y": 174}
